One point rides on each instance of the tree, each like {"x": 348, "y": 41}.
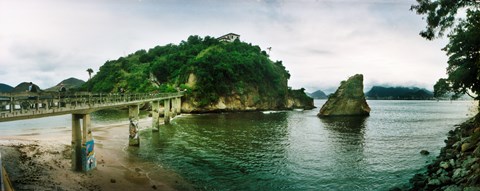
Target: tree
{"x": 90, "y": 71}
{"x": 463, "y": 48}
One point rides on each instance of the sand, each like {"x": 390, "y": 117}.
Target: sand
{"x": 43, "y": 162}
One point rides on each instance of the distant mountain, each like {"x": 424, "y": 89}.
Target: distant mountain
{"x": 23, "y": 87}
{"x": 399, "y": 93}
{"x": 319, "y": 94}
{"x": 70, "y": 83}
{"x": 4, "y": 88}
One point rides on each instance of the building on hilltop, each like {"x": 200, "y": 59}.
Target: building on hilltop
{"x": 230, "y": 37}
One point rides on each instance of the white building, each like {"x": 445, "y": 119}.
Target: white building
{"x": 230, "y": 37}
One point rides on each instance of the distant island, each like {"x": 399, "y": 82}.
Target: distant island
{"x": 72, "y": 84}
{"x": 398, "y": 93}
{"x": 319, "y": 94}
{"x": 4, "y": 88}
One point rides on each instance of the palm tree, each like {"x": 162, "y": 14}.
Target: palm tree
{"x": 90, "y": 71}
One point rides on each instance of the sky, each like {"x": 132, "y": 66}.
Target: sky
{"x": 320, "y": 42}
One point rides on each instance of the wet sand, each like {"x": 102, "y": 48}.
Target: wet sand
{"x": 43, "y": 162}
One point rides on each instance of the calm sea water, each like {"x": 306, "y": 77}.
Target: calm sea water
{"x": 290, "y": 150}
{"x": 296, "y": 150}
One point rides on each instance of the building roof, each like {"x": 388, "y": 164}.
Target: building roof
{"x": 225, "y": 36}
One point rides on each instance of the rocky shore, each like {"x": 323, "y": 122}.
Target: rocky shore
{"x": 457, "y": 168}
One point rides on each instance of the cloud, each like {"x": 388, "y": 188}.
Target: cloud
{"x": 320, "y": 42}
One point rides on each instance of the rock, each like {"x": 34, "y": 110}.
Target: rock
{"x": 348, "y": 100}
{"x": 452, "y": 162}
{"x": 476, "y": 130}
{"x": 444, "y": 164}
{"x": 468, "y": 162}
{"x": 434, "y": 182}
{"x": 459, "y": 173}
{"x": 444, "y": 179}
{"x": 424, "y": 152}
{"x": 476, "y": 152}
{"x": 418, "y": 180}
{"x": 466, "y": 147}
{"x": 471, "y": 188}
{"x": 453, "y": 188}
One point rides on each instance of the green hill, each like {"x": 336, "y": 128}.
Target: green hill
{"x": 399, "y": 93}
{"x": 23, "y": 87}
{"x": 217, "y": 75}
{"x": 4, "y": 88}
{"x": 319, "y": 94}
{"x": 70, "y": 84}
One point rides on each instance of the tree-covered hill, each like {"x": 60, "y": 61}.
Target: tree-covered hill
{"x": 4, "y": 88}
{"x": 319, "y": 94}
{"x": 211, "y": 71}
{"x": 23, "y": 87}
{"x": 399, "y": 93}
{"x": 70, "y": 84}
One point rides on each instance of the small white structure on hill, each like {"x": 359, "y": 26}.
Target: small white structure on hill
{"x": 230, "y": 37}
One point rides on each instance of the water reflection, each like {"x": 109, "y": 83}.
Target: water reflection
{"x": 162, "y": 138}
{"x": 345, "y": 124}
{"x": 347, "y": 135}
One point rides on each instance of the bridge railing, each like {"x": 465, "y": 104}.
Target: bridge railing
{"x": 20, "y": 102}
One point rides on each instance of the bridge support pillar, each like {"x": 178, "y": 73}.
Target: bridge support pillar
{"x": 173, "y": 109}
{"x": 179, "y": 104}
{"x": 166, "y": 110}
{"x": 134, "y": 139}
{"x": 83, "y": 153}
{"x": 155, "y": 115}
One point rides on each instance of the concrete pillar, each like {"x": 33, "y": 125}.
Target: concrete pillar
{"x": 134, "y": 139}
{"x": 174, "y": 107}
{"x": 155, "y": 115}
{"x": 12, "y": 105}
{"x": 166, "y": 110}
{"x": 76, "y": 142}
{"x": 179, "y": 105}
{"x": 83, "y": 153}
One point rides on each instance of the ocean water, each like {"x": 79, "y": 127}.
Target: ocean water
{"x": 296, "y": 150}
{"x": 286, "y": 150}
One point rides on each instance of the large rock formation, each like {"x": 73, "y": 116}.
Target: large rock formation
{"x": 348, "y": 100}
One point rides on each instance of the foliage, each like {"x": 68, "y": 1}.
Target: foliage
{"x": 300, "y": 95}
{"x": 398, "y": 93}
{"x": 221, "y": 69}
{"x": 463, "y": 48}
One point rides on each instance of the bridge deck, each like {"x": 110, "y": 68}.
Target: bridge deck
{"x": 34, "y": 105}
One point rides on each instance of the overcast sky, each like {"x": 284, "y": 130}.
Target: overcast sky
{"x": 320, "y": 42}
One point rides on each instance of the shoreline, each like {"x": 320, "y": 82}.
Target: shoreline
{"x": 43, "y": 162}
{"x": 457, "y": 167}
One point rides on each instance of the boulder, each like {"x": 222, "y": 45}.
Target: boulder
{"x": 424, "y": 152}
{"x": 348, "y": 100}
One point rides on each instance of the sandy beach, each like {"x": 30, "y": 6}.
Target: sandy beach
{"x": 42, "y": 162}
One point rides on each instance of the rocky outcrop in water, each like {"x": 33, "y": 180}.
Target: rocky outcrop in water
{"x": 458, "y": 165}
{"x": 348, "y": 100}
{"x": 251, "y": 101}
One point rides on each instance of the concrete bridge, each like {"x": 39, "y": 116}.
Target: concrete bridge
{"x": 20, "y": 106}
